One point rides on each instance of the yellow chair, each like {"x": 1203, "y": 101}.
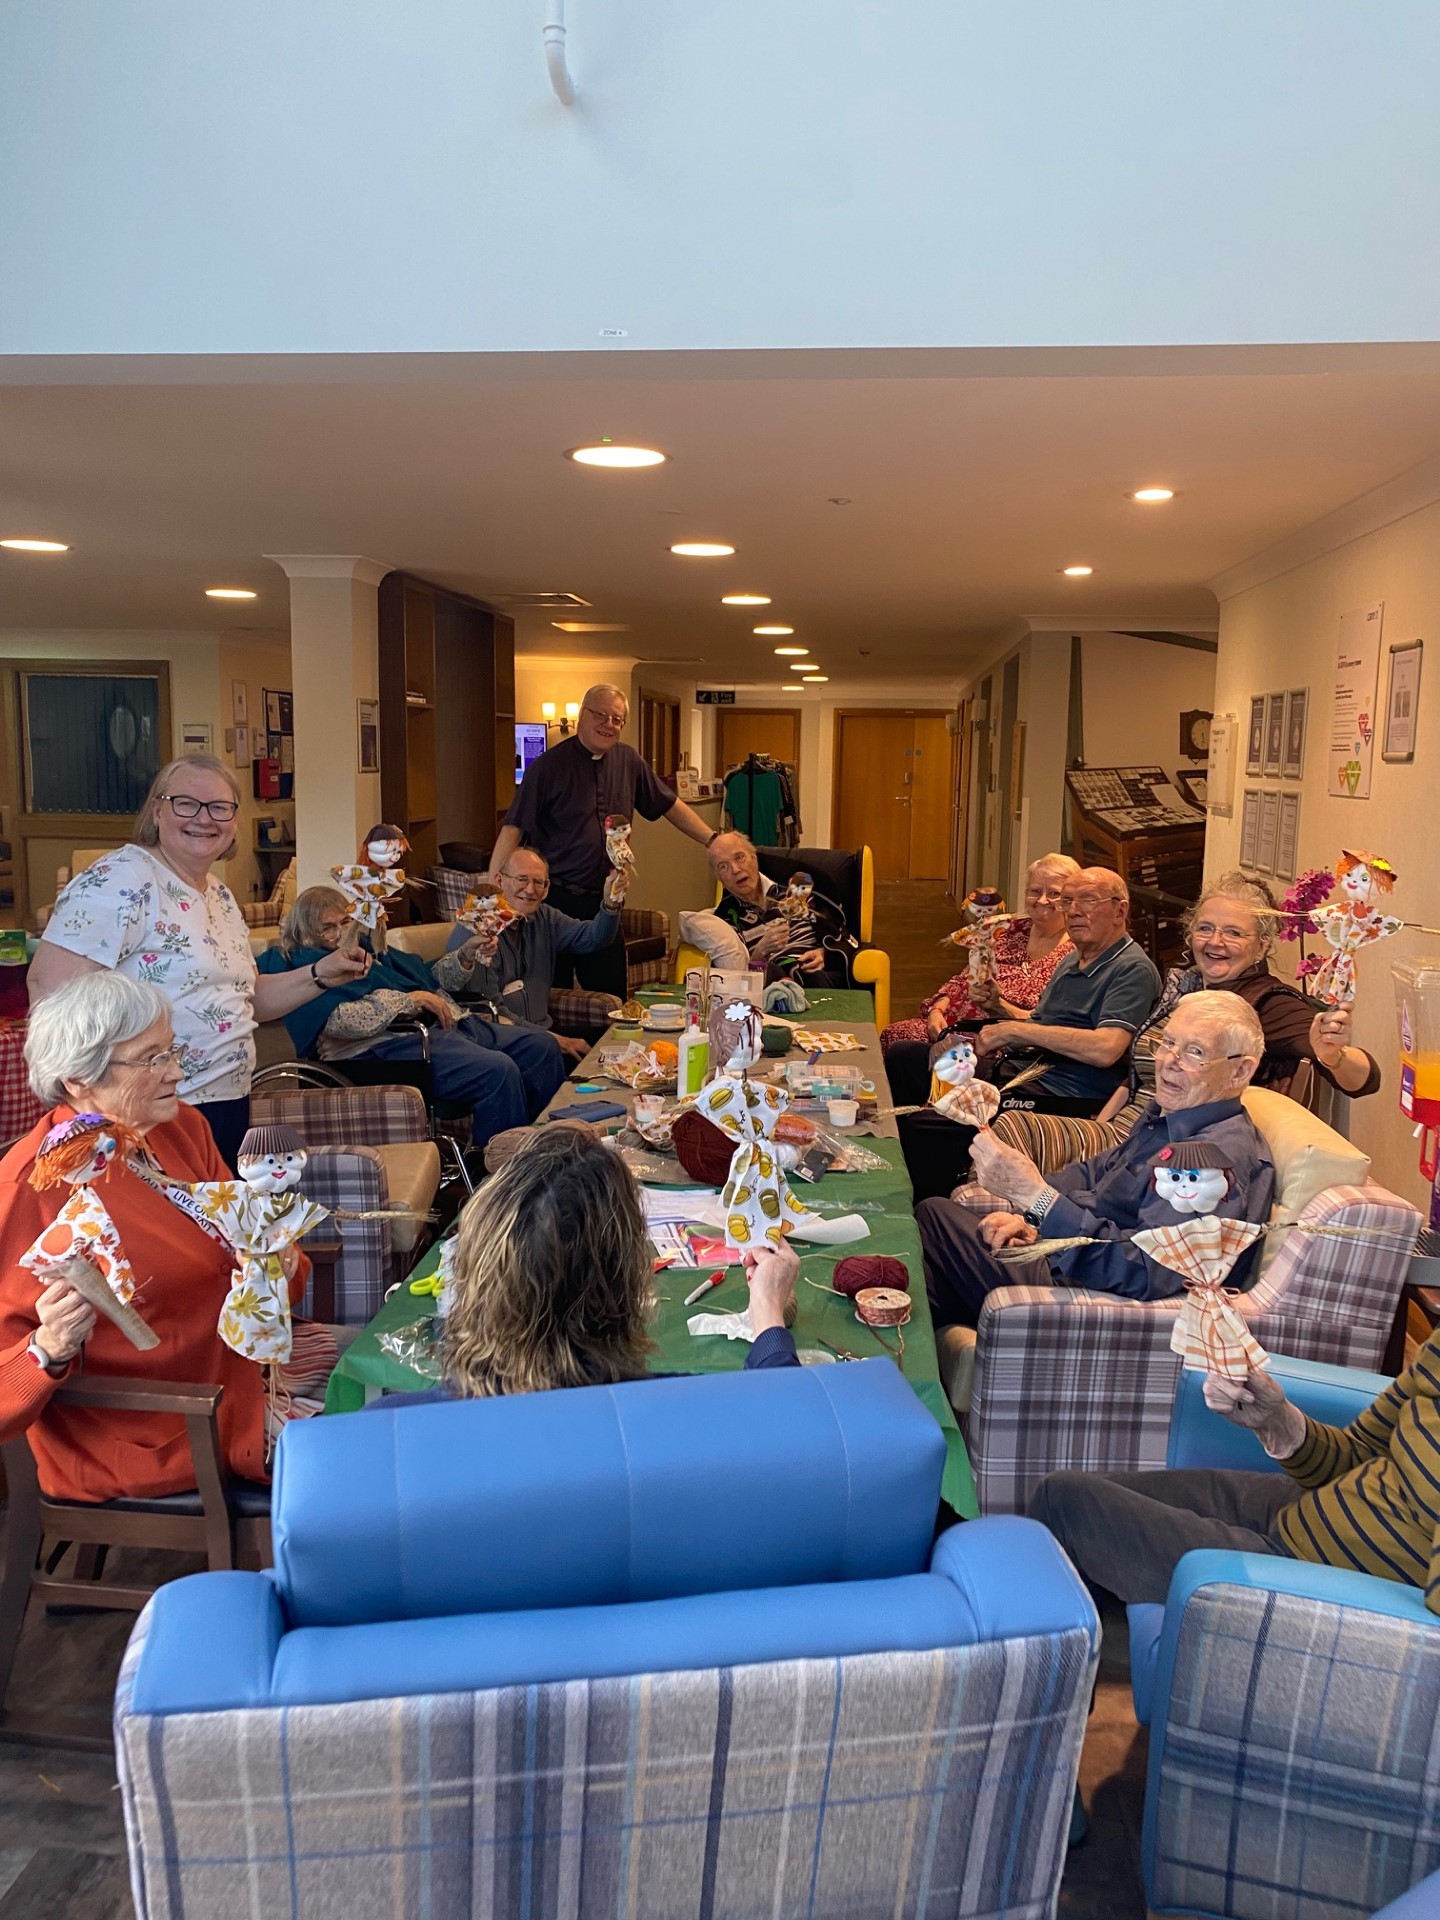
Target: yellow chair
{"x": 849, "y": 880}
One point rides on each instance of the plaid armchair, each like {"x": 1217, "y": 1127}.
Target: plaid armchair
{"x": 645, "y": 931}
{"x": 1068, "y": 1378}
{"x": 269, "y": 913}
{"x": 370, "y": 1148}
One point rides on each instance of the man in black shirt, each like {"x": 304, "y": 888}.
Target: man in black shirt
{"x": 561, "y": 809}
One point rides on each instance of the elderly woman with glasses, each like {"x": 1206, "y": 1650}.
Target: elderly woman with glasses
{"x": 105, "y": 1044}
{"x": 516, "y": 972}
{"x": 153, "y": 911}
{"x": 504, "y": 1074}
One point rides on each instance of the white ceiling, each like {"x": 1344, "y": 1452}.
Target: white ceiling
{"x": 971, "y": 480}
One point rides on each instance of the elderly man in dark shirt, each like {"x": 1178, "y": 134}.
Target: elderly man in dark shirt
{"x": 561, "y": 809}
{"x": 1204, "y": 1060}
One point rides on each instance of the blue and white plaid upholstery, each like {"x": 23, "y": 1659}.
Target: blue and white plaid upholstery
{"x": 1086, "y": 1381}
{"x": 933, "y": 1785}
{"x": 1300, "y": 1772}
{"x": 640, "y": 927}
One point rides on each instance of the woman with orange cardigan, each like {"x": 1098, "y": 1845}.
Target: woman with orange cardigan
{"x": 103, "y": 1044}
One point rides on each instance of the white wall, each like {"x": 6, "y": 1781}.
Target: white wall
{"x": 1135, "y": 692}
{"x": 1282, "y": 634}
{"x": 737, "y": 173}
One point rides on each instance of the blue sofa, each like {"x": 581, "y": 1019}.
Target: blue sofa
{"x": 1294, "y": 1710}
{"x": 684, "y": 1647}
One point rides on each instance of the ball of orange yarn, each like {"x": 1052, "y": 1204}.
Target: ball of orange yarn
{"x": 703, "y": 1149}
{"x": 869, "y": 1270}
{"x": 665, "y": 1054}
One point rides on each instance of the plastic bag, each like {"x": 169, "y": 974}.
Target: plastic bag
{"x": 416, "y": 1347}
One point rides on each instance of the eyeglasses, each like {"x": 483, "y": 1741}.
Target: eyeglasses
{"x": 153, "y": 1062}
{"x": 186, "y": 807}
{"x": 1227, "y": 936}
{"x": 603, "y": 719}
{"x": 1087, "y": 902}
{"x": 525, "y": 882}
{"x": 1190, "y": 1056}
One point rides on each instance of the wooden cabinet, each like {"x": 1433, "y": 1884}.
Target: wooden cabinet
{"x": 447, "y": 715}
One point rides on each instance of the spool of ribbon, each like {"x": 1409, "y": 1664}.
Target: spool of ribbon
{"x": 882, "y": 1307}
{"x": 862, "y": 1271}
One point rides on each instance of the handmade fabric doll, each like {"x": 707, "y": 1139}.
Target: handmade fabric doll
{"x": 1210, "y": 1333}
{"x": 759, "y": 1206}
{"x": 794, "y": 903}
{"x": 735, "y": 1029}
{"x": 955, "y": 1092}
{"x": 1352, "y": 922}
{"x": 617, "y": 842}
{"x": 259, "y": 1215}
{"x": 487, "y": 912}
{"x": 371, "y": 884}
{"x": 81, "y": 1245}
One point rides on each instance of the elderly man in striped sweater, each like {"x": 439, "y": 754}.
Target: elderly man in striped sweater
{"x": 1365, "y": 1497}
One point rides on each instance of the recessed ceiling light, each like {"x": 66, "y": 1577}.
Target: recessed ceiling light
{"x": 1153, "y": 493}
{"x": 701, "y": 549}
{"x": 229, "y": 593}
{"x": 588, "y": 626}
{"x": 607, "y": 454}
{"x": 791, "y": 653}
{"x": 744, "y": 599}
{"x": 803, "y": 666}
{"x": 1077, "y": 573}
{"x": 791, "y": 686}
{"x": 812, "y": 678}
{"x": 36, "y": 546}
{"x": 767, "y": 631}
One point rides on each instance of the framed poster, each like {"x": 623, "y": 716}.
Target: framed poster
{"x": 239, "y": 696}
{"x": 1255, "y": 739}
{"x": 196, "y": 736}
{"x": 1220, "y": 774}
{"x": 368, "y": 720}
{"x": 1297, "y": 703}
{"x": 1274, "y": 735}
{"x": 1288, "y": 843}
{"x": 242, "y": 746}
{"x": 1250, "y": 827}
{"x": 272, "y": 710}
{"x": 1269, "y": 831}
{"x": 1352, "y": 711}
{"x": 1402, "y": 701}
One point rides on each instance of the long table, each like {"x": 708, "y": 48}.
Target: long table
{"x": 883, "y": 1198}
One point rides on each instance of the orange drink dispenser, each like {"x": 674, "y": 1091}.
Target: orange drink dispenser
{"x": 1417, "y": 1008}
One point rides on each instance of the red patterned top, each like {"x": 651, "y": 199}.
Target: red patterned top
{"x": 1020, "y": 979}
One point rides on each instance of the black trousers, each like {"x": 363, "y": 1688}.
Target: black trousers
{"x": 602, "y": 972}
{"x": 1127, "y": 1532}
{"x": 229, "y": 1121}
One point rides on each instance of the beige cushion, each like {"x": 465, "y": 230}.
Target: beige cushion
{"x": 955, "y": 1351}
{"x": 263, "y": 937}
{"x": 428, "y": 941}
{"x": 412, "y": 1175}
{"x": 1308, "y": 1156}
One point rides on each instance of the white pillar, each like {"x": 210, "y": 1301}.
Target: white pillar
{"x": 334, "y": 662}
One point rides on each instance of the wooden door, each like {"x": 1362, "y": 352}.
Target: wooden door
{"x": 960, "y": 805}
{"x": 872, "y": 788}
{"x": 931, "y": 791}
{"x": 741, "y": 731}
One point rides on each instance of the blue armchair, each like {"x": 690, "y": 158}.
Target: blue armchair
{"x": 1294, "y": 1710}
{"x": 677, "y": 1646}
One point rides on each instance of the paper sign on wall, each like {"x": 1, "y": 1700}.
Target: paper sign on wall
{"x": 1352, "y": 715}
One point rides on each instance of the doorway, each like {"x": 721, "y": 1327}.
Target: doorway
{"x": 741, "y": 731}
{"x": 894, "y": 789}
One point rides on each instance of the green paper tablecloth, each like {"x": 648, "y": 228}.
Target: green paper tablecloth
{"x": 884, "y": 1199}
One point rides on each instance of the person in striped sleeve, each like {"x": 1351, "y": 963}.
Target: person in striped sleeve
{"x": 1364, "y": 1497}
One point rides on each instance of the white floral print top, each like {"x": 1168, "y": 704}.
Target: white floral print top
{"x": 131, "y": 913}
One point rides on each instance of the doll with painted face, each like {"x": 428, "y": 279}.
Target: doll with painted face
{"x": 371, "y": 884}
{"x": 1193, "y": 1177}
{"x": 1352, "y": 921}
{"x": 956, "y": 1093}
{"x": 81, "y": 1245}
{"x": 259, "y": 1215}
{"x": 617, "y": 843}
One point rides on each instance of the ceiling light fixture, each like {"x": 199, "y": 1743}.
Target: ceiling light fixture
{"x": 607, "y": 454}
{"x": 792, "y": 653}
{"x": 230, "y": 593}
{"x": 588, "y": 626}
{"x": 1076, "y": 573}
{"x": 701, "y": 549}
{"x": 769, "y": 631}
{"x": 36, "y": 546}
{"x": 791, "y": 686}
{"x": 814, "y": 679}
{"x": 744, "y": 599}
{"x": 1149, "y": 494}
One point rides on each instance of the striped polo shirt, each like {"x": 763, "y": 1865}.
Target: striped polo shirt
{"x": 1374, "y": 1486}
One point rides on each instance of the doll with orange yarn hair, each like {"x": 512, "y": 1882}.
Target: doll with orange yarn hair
{"x": 1350, "y": 923}
{"x": 371, "y": 884}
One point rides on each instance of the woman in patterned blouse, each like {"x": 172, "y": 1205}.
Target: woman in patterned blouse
{"x": 1027, "y": 952}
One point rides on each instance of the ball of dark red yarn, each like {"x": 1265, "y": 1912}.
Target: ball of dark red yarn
{"x": 869, "y": 1270}
{"x": 703, "y": 1149}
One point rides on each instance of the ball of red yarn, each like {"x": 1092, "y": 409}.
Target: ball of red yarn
{"x": 869, "y": 1270}
{"x": 703, "y": 1149}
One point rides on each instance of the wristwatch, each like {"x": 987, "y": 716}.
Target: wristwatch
{"x": 714, "y": 836}
{"x": 315, "y": 976}
{"x": 1038, "y": 1209}
{"x": 42, "y": 1360}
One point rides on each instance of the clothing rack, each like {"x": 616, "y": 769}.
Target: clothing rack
{"x": 788, "y": 829}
